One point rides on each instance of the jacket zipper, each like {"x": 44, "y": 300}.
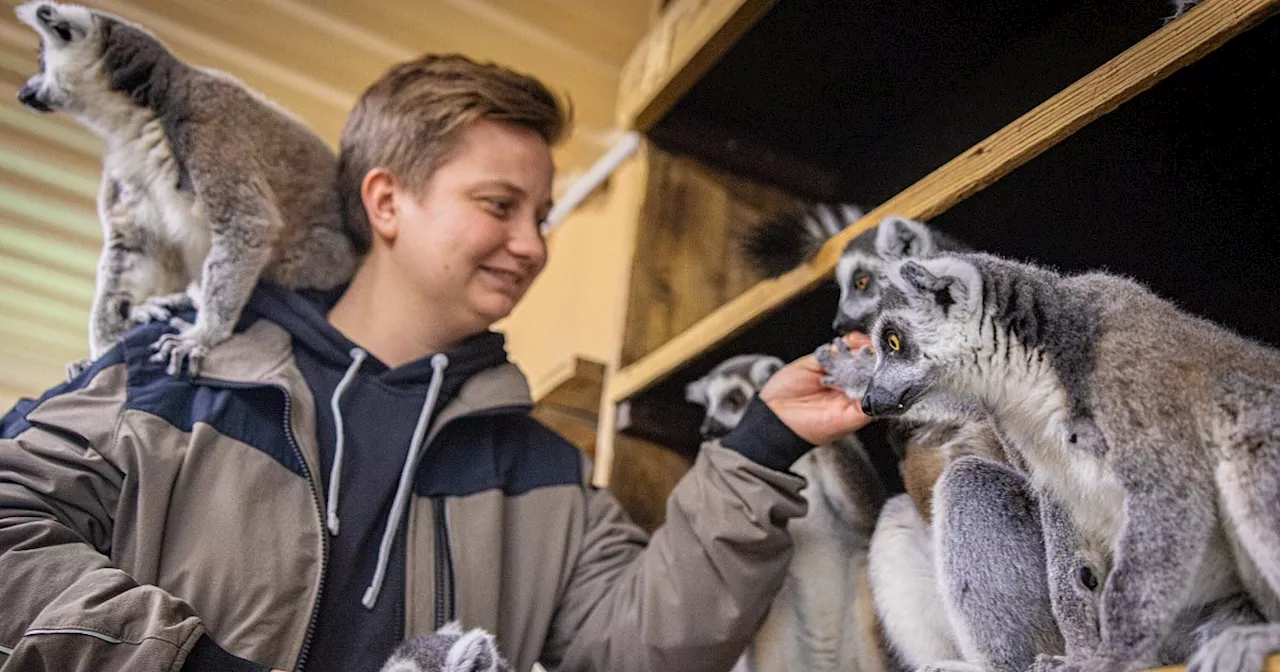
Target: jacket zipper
{"x": 315, "y": 498}
{"x": 444, "y": 566}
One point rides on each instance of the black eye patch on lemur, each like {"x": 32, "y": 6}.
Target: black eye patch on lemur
{"x": 906, "y": 345}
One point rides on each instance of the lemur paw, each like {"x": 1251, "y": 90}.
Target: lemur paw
{"x": 189, "y": 344}
{"x": 160, "y": 308}
{"x": 77, "y": 367}
{"x": 846, "y": 369}
{"x": 1242, "y": 648}
{"x": 951, "y": 666}
{"x": 1050, "y": 663}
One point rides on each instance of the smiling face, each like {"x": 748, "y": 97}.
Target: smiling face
{"x": 469, "y": 241}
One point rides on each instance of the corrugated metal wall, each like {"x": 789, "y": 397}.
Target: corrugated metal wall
{"x": 313, "y": 57}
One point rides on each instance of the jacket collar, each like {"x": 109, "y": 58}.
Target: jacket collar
{"x": 262, "y": 353}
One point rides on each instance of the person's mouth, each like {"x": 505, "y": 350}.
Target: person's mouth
{"x": 510, "y": 279}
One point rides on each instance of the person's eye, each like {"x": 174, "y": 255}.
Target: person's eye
{"x": 498, "y": 205}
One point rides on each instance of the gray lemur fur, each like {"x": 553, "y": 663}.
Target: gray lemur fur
{"x": 206, "y": 185}
{"x": 946, "y": 591}
{"x": 822, "y": 617}
{"x": 725, "y": 391}
{"x": 449, "y": 649}
{"x": 1158, "y": 432}
{"x": 1078, "y": 571}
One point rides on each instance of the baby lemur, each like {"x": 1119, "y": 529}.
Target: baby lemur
{"x": 823, "y": 617}
{"x": 1158, "y": 432}
{"x": 449, "y": 649}
{"x": 206, "y": 185}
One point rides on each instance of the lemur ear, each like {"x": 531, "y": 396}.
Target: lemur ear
{"x": 475, "y": 651}
{"x": 762, "y": 369}
{"x": 949, "y": 284}
{"x": 696, "y": 392}
{"x": 898, "y": 238}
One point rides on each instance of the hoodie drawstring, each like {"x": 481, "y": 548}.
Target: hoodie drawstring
{"x": 335, "y": 473}
{"x": 438, "y": 364}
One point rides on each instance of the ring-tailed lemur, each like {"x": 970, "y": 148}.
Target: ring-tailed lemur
{"x": 206, "y": 185}
{"x": 1157, "y": 431}
{"x": 823, "y": 617}
{"x": 957, "y": 564}
{"x": 778, "y": 245}
{"x": 448, "y": 649}
{"x": 946, "y": 592}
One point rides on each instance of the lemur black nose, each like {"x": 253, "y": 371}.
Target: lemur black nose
{"x": 879, "y": 401}
{"x": 45, "y": 14}
{"x": 30, "y": 96}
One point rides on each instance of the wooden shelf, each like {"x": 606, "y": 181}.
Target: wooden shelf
{"x": 1135, "y": 70}
{"x": 1272, "y": 665}
{"x": 689, "y": 37}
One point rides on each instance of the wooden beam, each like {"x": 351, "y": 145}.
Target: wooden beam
{"x": 671, "y": 425}
{"x": 570, "y": 404}
{"x": 627, "y": 199}
{"x": 685, "y": 42}
{"x": 745, "y": 156}
{"x": 1137, "y": 69}
{"x": 1272, "y": 665}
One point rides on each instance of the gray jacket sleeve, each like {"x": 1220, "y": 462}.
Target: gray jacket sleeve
{"x": 65, "y": 607}
{"x": 690, "y": 598}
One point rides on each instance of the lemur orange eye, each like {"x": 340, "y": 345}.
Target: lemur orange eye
{"x": 861, "y": 283}
{"x": 895, "y": 343}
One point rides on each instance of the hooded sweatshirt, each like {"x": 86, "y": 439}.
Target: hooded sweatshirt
{"x": 377, "y": 410}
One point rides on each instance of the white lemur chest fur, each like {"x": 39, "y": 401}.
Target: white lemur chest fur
{"x": 141, "y": 161}
{"x": 1033, "y": 410}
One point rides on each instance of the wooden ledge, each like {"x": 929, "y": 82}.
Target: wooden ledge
{"x": 1137, "y": 69}
{"x": 1272, "y": 665}
{"x": 689, "y": 37}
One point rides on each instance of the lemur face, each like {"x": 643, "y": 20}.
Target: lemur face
{"x": 859, "y": 270}
{"x": 926, "y": 333}
{"x": 70, "y": 51}
{"x": 726, "y": 391}
{"x": 856, "y": 273}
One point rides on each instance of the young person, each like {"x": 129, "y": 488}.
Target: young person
{"x": 352, "y": 469}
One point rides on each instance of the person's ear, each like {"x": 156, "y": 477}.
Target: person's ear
{"x": 378, "y": 192}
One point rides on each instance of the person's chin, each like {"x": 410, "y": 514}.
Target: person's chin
{"x": 496, "y": 305}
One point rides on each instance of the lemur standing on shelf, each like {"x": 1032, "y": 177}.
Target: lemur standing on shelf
{"x": 206, "y": 185}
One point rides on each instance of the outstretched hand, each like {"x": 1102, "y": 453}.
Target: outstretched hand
{"x": 816, "y": 413}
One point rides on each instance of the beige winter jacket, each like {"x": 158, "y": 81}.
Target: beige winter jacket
{"x": 138, "y": 512}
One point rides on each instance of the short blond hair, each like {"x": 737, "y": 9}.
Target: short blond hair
{"x": 410, "y": 120}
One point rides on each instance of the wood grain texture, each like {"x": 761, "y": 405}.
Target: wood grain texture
{"x": 687, "y": 262}
{"x": 1135, "y": 70}
{"x": 687, "y": 39}
{"x": 1273, "y": 665}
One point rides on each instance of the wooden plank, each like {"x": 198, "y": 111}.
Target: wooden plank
{"x": 1272, "y": 665}
{"x": 627, "y": 199}
{"x": 685, "y": 42}
{"x": 1137, "y": 69}
{"x": 687, "y": 262}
